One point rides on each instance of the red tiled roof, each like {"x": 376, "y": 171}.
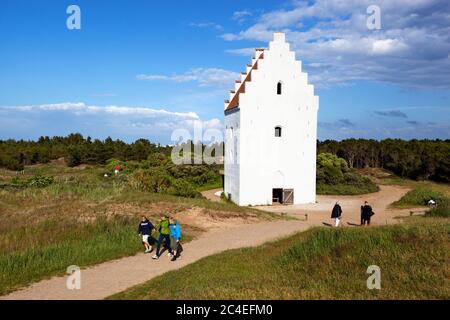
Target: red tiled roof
{"x": 234, "y": 101}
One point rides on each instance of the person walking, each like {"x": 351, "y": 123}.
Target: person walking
{"x": 362, "y": 216}
{"x": 366, "y": 213}
{"x": 164, "y": 236}
{"x": 175, "y": 237}
{"x": 336, "y": 214}
{"x": 145, "y": 230}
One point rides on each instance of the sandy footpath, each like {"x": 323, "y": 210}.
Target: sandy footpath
{"x": 319, "y": 213}
{"x": 111, "y": 277}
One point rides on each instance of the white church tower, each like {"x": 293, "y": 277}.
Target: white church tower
{"x": 271, "y": 131}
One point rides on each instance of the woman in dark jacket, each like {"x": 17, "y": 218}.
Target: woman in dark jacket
{"x": 366, "y": 213}
{"x": 336, "y": 214}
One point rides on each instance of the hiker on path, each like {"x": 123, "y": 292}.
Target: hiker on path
{"x": 175, "y": 237}
{"x": 164, "y": 236}
{"x": 336, "y": 214}
{"x": 366, "y": 213}
{"x": 145, "y": 230}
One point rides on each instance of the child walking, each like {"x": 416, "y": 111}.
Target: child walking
{"x": 175, "y": 237}
{"x": 145, "y": 230}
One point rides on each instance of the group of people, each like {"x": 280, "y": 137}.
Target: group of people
{"x": 169, "y": 236}
{"x": 366, "y": 214}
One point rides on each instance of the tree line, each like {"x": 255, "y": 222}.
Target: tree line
{"x": 75, "y": 149}
{"x": 415, "y": 159}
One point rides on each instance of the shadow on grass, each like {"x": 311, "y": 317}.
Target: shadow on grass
{"x": 353, "y": 224}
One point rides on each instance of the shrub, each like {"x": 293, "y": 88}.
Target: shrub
{"x": 334, "y": 177}
{"x": 13, "y": 164}
{"x": 442, "y": 209}
{"x": 330, "y": 168}
{"x": 74, "y": 156}
{"x": 419, "y": 197}
{"x": 40, "y": 181}
{"x": 111, "y": 164}
{"x": 153, "y": 180}
{"x": 36, "y": 181}
{"x": 183, "y": 188}
{"x": 209, "y": 176}
{"x": 156, "y": 159}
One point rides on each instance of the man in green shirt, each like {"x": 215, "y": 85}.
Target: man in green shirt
{"x": 163, "y": 228}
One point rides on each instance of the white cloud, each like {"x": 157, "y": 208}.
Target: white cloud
{"x": 203, "y": 76}
{"x": 387, "y": 46}
{"x": 240, "y": 16}
{"x": 99, "y": 121}
{"x": 80, "y": 108}
{"x": 212, "y": 124}
{"x": 210, "y": 25}
{"x": 412, "y": 48}
{"x": 151, "y": 77}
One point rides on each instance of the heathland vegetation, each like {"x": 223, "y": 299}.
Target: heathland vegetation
{"x": 53, "y": 216}
{"x": 335, "y": 177}
{"x": 61, "y": 203}
{"x": 152, "y": 170}
{"x": 413, "y": 159}
{"x": 321, "y": 263}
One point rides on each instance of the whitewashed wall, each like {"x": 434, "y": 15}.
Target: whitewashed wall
{"x": 232, "y": 143}
{"x": 265, "y": 161}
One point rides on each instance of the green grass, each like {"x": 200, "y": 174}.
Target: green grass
{"x": 441, "y": 210}
{"x": 50, "y": 247}
{"x": 50, "y": 253}
{"x": 351, "y": 183}
{"x": 82, "y": 218}
{"x": 419, "y": 196}
{"x": 321, "y": 263}
{"x": 345, "y": 189}
{"x": 212, "y": 185}
{"x": 443, "y": 188}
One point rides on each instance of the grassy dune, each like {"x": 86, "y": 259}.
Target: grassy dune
{"x": 419, "y": 195}
{"x": 320, "y": 264}
{"x": 421, "y": 192}
{"x": 81, "y": 218}
{"x": 81, "y": 245}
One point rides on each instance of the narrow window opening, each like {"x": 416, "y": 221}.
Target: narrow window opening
{"x": 279, "y": 88}
{"x": 277, "y": 131}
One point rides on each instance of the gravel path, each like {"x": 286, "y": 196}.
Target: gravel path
{"x": 105, "y": 279}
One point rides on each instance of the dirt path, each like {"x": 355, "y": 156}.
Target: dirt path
{"x": 211, "y": 194}
{"x": 105, "y": 279}
{"x": 111, "y": 277}
{"x": 319, "y": 213}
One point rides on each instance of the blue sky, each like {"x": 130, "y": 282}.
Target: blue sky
{"x": 144, "y": 68}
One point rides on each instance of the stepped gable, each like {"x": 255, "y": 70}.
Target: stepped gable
{"x": 233, "y": 102}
